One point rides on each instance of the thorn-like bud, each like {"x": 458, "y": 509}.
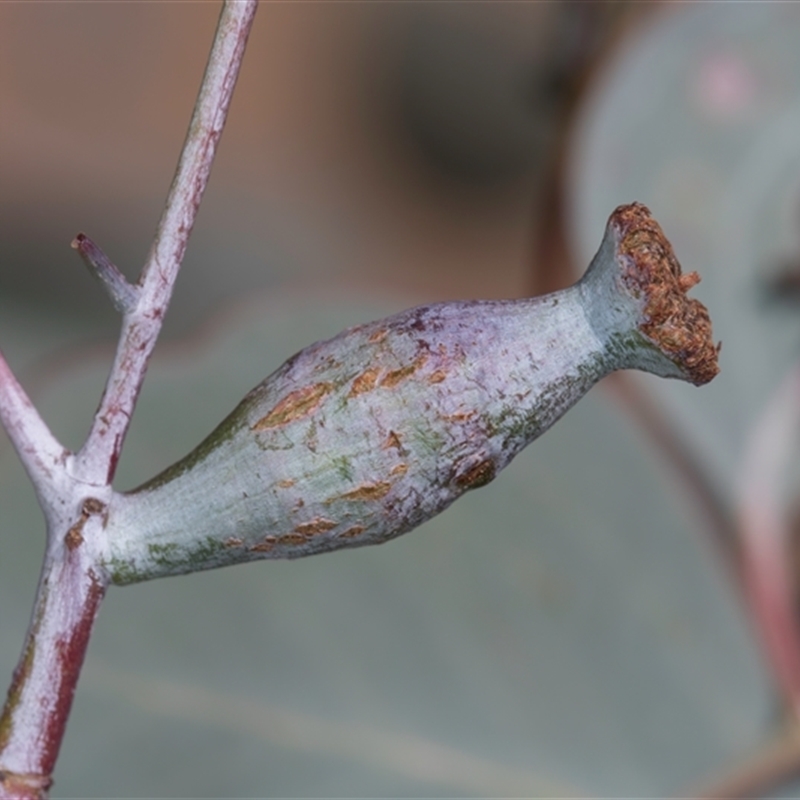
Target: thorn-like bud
{"x": 358, "y": 439}
{"x": 124, "y": 295}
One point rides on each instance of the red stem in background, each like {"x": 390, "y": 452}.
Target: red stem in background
{"x": 765, "y": 533}
{"x": 687, "y": 465}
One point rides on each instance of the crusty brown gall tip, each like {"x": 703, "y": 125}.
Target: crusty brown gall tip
{"x": 679, "y": 326}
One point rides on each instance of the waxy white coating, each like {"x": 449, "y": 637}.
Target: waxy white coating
{"x": 360, "y": 438}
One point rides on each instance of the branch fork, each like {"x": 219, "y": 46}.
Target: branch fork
{"x": 74, "y": 489}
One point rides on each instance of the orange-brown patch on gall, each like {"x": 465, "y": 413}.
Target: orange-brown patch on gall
{"x": 287, "y": 483}
{"x": 400, "y": 469}
{"x": 378, "y": 336}
{"x": 437, "y": 376}
{"x": 296, "y": 405}
{"x": 367, "y": 491}
{"x": 365, "y": 382}
{"x": 679, "y": 326}
{"x": 265, "y": 546}
{"x": 317, "y": 525}
{"x": 350, "y": 533}
{"x": 233, "y": 541}
{"x": 395, "y": 376}
{"x": 478, "y": 475}
{"x": 459, "y": 416}
{"x": 292, "y": 539}
{"x": 393, "y": 440}
{"x": 74, "y": 536}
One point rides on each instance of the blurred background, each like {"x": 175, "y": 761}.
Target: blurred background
{"x": 579, "y": 627}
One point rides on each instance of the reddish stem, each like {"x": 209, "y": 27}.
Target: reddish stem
{"x": 765, "y": 536}
{"x": 40, "y": 697}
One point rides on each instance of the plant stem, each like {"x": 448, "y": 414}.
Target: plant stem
{"x": 41, "y": 453}
{"x": 74, "y": 490}
{"x": 765, "y": 535}
{"x": 682, "y": 456}
{"x": 123, "y": 296}
{"x": 97, "y": 460}
{"x": 40, "y": 697}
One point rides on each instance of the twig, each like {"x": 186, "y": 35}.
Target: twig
{"x": 765, "y": 535}
{"x": 123, "y": 295}
{"x": 40, "y": 452}
{"x": 686, "y": 461}
{"x": 75, "y": 490}
{"x": 97, "y": 460}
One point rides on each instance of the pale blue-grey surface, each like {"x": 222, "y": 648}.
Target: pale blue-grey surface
{"x": 565, "y": 629}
